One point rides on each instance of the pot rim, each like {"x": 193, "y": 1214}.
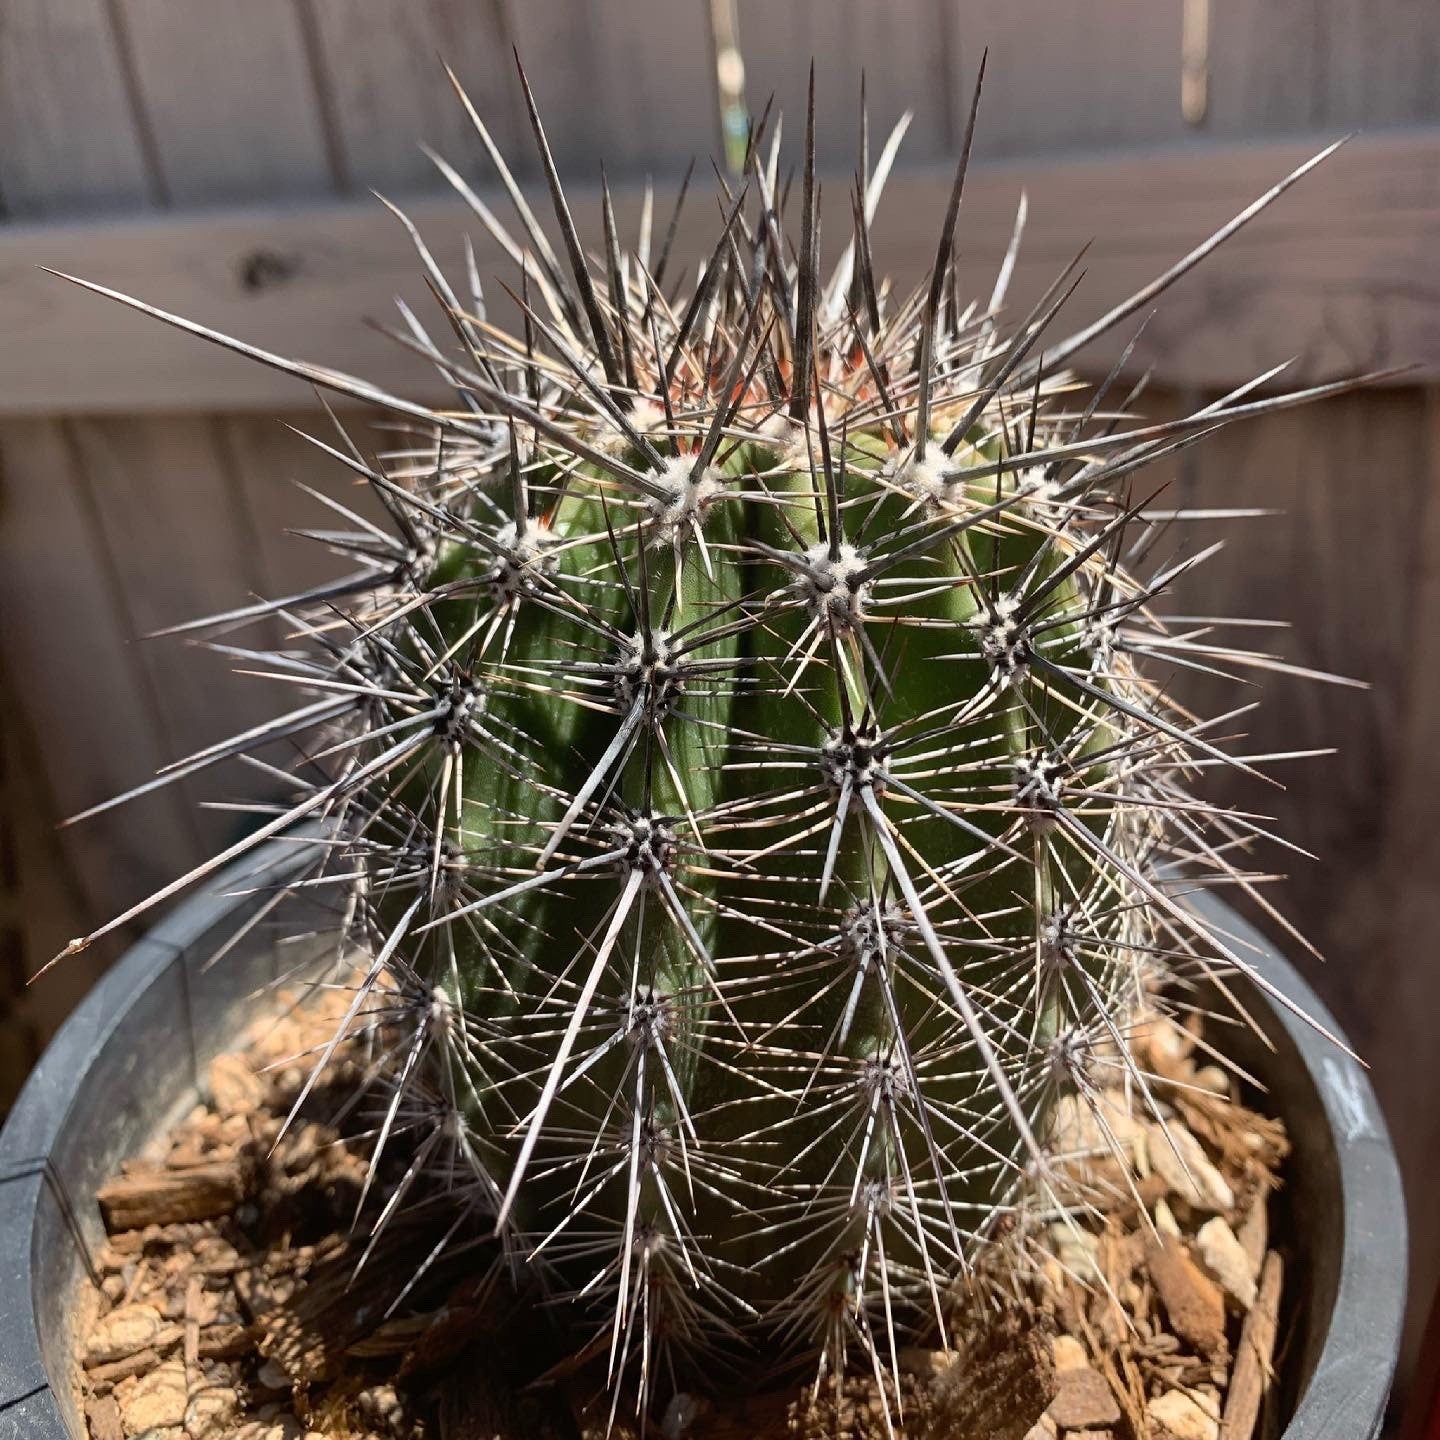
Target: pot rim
{"x": 1345, "y": 1395}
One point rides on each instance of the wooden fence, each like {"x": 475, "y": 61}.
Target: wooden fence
{"x": 215, "y": 157}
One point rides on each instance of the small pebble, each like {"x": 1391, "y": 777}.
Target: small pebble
{"x": 1213, "y": 1079}
{"x": 123, "y": 1332}
{"x": 1081, "y": 1126}
{"x": 235, "y": 1089}
{"x": 1178, "y": 1159}
{"x": 680, "y": 1415}
{"x": 1224, "y": 1258}
{"x": 925, "y": 1362}
{"x": 1043, "y": 1429}
{"x": 157, "y": 1400}
{"x": 1165, "y": 1221}
{"x": 210, "y": 1412}
{"x": 1076, "y": 1251}
{"x": 1170, "y": 1047}
{"x": 1178, "y": 1415}
{"x": 272, "y": 1376}
{"x": 1069, "y": 1353}
{"x": 381, "y": 1409}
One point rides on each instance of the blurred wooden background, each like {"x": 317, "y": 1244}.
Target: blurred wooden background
{"x": 215, "y": 158}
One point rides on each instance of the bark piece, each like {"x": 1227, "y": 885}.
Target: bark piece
{"x": 192, "y": 1310}
{"x": 154, "y": 1196}
{"x": 1251, "y": 1376}
{"x": 1170, "y": 1047}
{"x": 1254, "y": 1232}
{"x": 1191, "y": 1299}
{"x": 1000, "y": 1385}
{"x": 140, "y": 1363}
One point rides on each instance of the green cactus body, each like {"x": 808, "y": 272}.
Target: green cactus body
{"x": 739, "y": 768}
{"x": 715, "y": 769}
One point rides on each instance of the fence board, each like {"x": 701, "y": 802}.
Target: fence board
{"x": 388, "y": 89}
{"x": 49, "y": 905}
{"x": 71, "y": 144}
{"x": 1339, "y": 273}
{"x": 1353, "y": 562}
{"x": 1391, "y": 909}
{"x": 267, "y": 460}
{"x": 1350, "y": 560}
{"x": 1266, "y": 64}
{"x": 1286, "y": 65}
{"x": 181, "y": 543}
{"x": 70, "y": 139}
{"x": 903, "y": 49}
{"x": 1069, "y": 77}
{"x": 1381, "y": 61}
{"x": 1338, "y": 561}
{"x": 658, "y": 102}
{"x": 68, "y": 656}
{"x": 227, "y": 93}
{"x": 633, "y": 88}
{"x": 86, "y": 505}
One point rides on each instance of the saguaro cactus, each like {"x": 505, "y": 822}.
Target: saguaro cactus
{"x": 740, "y": 766}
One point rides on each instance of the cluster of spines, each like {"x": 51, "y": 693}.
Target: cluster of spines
{"x": 734, "y": 764}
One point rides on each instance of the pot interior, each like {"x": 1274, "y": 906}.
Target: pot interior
{"x": 125, "y": 1066}
{"x": 135, "y": 1053}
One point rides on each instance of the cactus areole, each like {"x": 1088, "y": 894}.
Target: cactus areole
{"x": 743, "y": 760}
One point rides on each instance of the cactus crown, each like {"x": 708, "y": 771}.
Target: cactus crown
{"x": 739, "y": 761}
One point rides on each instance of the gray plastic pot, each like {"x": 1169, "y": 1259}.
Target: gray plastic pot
{"x": 132, "y": 1056}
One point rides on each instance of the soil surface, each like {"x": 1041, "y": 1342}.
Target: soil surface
{"x": 231, "y": 1308}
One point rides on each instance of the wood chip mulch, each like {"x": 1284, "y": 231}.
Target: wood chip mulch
{"x": 228, "y": 1309}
